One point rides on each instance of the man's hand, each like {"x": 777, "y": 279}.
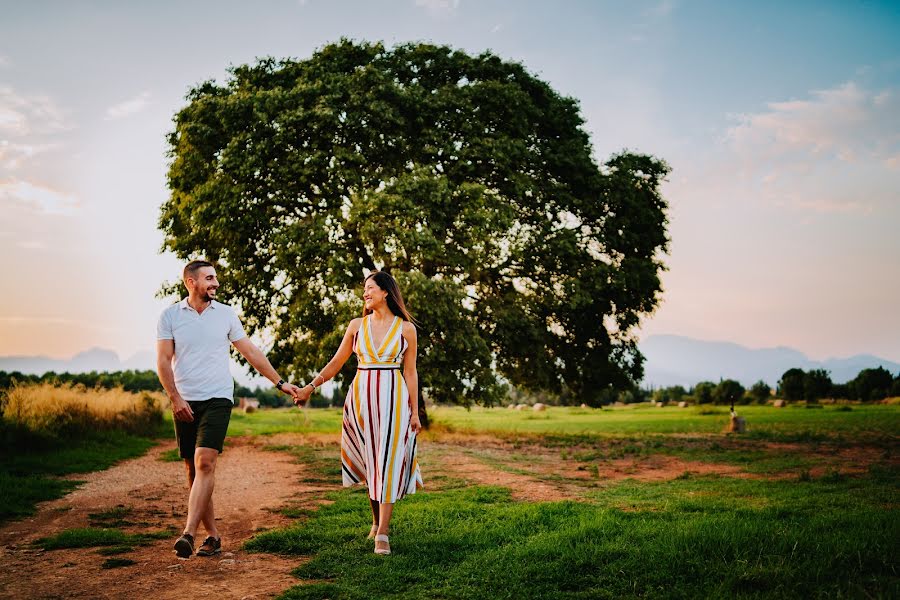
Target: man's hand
{"x": 291, "y": 390}
{"x": 303, "y": 395}
{"x": 181, "y": 410}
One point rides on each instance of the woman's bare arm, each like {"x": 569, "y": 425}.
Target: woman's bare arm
{"x": 410, "y": 375}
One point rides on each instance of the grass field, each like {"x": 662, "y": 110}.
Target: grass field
{"x": 827, "y": 422}
{"x": 773, "y": 530}
{"x": 764, "y": 421}
{"x": 803, "y": 505}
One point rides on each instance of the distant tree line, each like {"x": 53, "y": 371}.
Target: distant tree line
{"x": 130, "y": 381}
{"x": 795, "y": 384}
{"x": 815, "y": 384}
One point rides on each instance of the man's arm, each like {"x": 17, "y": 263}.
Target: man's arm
{"x": 258, "y": 361}
{"x": 165, "y": 351}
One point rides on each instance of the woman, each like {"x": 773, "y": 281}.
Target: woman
{"x": 381, "y": 412}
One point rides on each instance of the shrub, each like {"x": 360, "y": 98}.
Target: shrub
{"x": 70, "y": 410}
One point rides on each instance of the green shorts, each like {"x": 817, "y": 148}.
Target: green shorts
{"x": 208, "y": 428}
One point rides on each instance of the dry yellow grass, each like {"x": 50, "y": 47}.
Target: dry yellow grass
{"x": 72, "y": 409}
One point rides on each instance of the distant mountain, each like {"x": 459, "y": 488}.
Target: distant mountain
{"x": 671, "y": 360}
{"x": 677, "y": 360}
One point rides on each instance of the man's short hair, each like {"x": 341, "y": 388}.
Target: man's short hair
{"x": 190, "y": 269}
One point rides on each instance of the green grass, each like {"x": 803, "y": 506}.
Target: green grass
{"x": 324, "y": 467}
{"x": 691, "y": 537}
{"x": 745, "y": 452}
{"x": 29, "y": 476}
{"x": 114, "y": 563}
{"x": 94, "y": 537}
{"x": 784, "y": 424}
{"x": 688, "y": 538}
{"x": 113, "y": 550}
{"x": 170, "y": 456}
{"x": 113, "y": 517}
{"x": 281, "y": 420}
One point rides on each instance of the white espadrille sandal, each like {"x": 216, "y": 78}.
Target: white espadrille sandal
{"x": 383, "y": 551}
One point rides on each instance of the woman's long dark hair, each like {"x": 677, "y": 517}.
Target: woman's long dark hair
{"x": 394, "y": 298}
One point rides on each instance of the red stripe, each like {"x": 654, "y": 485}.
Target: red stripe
{"x": 374, "y": 446}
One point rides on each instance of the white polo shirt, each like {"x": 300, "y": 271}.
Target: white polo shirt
{"x": 202, "y": 342}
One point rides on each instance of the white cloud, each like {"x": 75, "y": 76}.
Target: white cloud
{"x": 438, "y": 7}
{"x": 29, "y": 114}
{"x": 128, "y": 107}
{"x": 834, "y": 206}
{"x": 39, "y": 197}
{"x": 14, "y": 155}
{"x": 846, "y": 122}
{"x": 836, "y": 151}
{"x": 496, "y": 28}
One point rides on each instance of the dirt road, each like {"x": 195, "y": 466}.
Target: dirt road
{"x": 251, "y": 484}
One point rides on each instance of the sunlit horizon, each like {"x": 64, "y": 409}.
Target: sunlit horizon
{"x": 781, "y": 124}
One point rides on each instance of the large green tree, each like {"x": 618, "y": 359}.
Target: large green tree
{"x": 467, "y": 177}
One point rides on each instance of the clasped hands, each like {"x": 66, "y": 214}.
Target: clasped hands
{"x": 299, "y": 395}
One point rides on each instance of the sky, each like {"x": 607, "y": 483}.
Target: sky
{"x": 781, "y": 122}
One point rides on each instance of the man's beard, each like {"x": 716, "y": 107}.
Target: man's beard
{"x": 206, "y": 297}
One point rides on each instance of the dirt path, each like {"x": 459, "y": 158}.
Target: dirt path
{"x": 251, "y": 484}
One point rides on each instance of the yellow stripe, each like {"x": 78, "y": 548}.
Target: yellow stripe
{"x": 393, "y": 353}
{"x": 396, "y": 432}
{"x": 367, "y": 339}
{"x": 388, "y": 337}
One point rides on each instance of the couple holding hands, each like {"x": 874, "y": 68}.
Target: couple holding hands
{"x": 380, "y": 417}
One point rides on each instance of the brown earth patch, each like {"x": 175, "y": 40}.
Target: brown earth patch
{"x": 661, "y": 467}
{"x": 251, "y": 485}
{"x": 454, "y": 461}
{"x": 315, "y": 440}
{"x": 535, "y": 472}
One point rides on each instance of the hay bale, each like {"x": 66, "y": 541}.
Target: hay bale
{"x": 583, "y": 405}
{"x": 682, "y": 404}
{"x": 660, "y": 404}
{"x": 779, "y": 404}
{"x": 737, "y": 424}
{"x": 511, "y": 406}
{"x": 249, "y": 409}
{"x": 539, "y": 407}
{"x": 521, "y": 406}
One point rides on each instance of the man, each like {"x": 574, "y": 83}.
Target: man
{"x": 193, "y": 339}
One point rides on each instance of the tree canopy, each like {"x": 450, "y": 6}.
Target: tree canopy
{"x": 791, "y": 384}
{"x": 468, "y": 178}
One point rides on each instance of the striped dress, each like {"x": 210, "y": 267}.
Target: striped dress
{"x": 377, "y": 445}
